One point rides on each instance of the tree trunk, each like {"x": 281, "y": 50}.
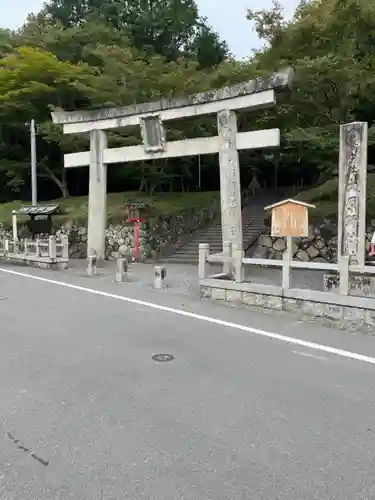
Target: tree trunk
{"x": 64, "y": 181}
{"x": 61, "y": 184}
{"x": 275, "y": 175}
{"x": 142, "y": 185}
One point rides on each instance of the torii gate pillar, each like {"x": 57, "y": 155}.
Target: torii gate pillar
{"x": 97, "y": 210}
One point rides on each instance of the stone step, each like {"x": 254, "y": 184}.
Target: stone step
{"x": 182, "y": 259}
{"x": 195, "y": 251}
{"x": 195, "y": 243}
{"x": 252, "y": 226}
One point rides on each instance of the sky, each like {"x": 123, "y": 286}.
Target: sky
{"x": 230, "y": 22}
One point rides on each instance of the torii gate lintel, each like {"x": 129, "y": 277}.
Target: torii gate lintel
{"x": 251, "y": 95}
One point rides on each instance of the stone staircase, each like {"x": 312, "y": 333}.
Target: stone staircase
{"x": 253, "y": 218}
{"x": 252, "y": 224}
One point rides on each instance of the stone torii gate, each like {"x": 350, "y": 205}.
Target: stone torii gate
{"x": 250, "y": 95}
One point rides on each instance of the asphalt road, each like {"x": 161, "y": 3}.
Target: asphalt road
{"x": 86, "y": 414}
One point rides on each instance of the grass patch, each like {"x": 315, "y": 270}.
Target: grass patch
{"x": 161, "y": 205}
{"x": 325, "y": 198}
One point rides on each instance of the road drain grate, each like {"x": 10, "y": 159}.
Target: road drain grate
{"x": 162, "y": 358}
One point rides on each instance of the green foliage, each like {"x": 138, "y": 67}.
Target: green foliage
{"x": 5, "y": 42}
{"x": 79, "y": 54}
{"x": 325, "y": 198}
{"x": 331, "y": 45}
{"x": 74, "y": 210}
{"x": 169, "y": 28}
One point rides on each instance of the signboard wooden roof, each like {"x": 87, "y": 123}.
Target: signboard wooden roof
{"x": 289, "y": 200}
{"x": 290, "y": 218}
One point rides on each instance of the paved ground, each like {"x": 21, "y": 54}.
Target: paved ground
{"x": 86, "y": 413}
{"x": 183, "y": 278}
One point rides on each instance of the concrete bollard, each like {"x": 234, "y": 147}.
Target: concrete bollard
{"x": 91, "y": 265}
{"x": 121, "y": 270}
{"x": 160, "y": 273}
{"x": 203, "y": 265}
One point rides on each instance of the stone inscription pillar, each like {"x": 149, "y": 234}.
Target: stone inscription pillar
{"x": 352, "y": 192}
{"x": 230, "y": 185}
{"x": 97, "y": 213}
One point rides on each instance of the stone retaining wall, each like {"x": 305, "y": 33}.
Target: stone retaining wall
{"x": 155, "y": 234}
{"x": 325, "y": 309}
{"x": 319, "y": 246}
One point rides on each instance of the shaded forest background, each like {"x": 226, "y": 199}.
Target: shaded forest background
{"x": 78, "y": 54}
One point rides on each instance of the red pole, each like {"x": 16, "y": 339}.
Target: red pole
{"x": 372, "y": 246}
{"x": 136, "y": 240}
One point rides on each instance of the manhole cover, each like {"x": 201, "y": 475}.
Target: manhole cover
{"x": 162, "y": 358}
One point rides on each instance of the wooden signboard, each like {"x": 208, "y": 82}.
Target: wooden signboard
{"x": 290, "y": 218}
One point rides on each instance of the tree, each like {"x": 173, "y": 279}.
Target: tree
{"x": 74, "y": 44}
{"x": 331, "y": 45}
{"x": 207, "y": 48}
{"x": 77, "y": 54}
{"x": 170, "y": 28}
{"x": 31, "y": 82}
{"x": 90, "y": 54}
{"x": 67, "y": 13}
{"x": 5, "y": 42}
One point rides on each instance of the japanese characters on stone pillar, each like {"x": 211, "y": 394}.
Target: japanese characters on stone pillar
{"x": 352, "y": 192}
{"x": 230, "y": 185}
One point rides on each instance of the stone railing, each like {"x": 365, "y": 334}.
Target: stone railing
{"x": 347, "y": 294}
{"x": 41, "y": 252}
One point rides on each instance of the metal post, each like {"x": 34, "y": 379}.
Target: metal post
{"x": 34, "y": 192}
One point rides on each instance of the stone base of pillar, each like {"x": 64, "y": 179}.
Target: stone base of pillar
{"x": 360, "y": 285}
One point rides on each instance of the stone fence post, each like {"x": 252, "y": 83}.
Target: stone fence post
{"x": 204, "y": 252}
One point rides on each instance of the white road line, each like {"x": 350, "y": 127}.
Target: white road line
{"x": 207, "y": 319}
{"x": 308, "y": 355}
